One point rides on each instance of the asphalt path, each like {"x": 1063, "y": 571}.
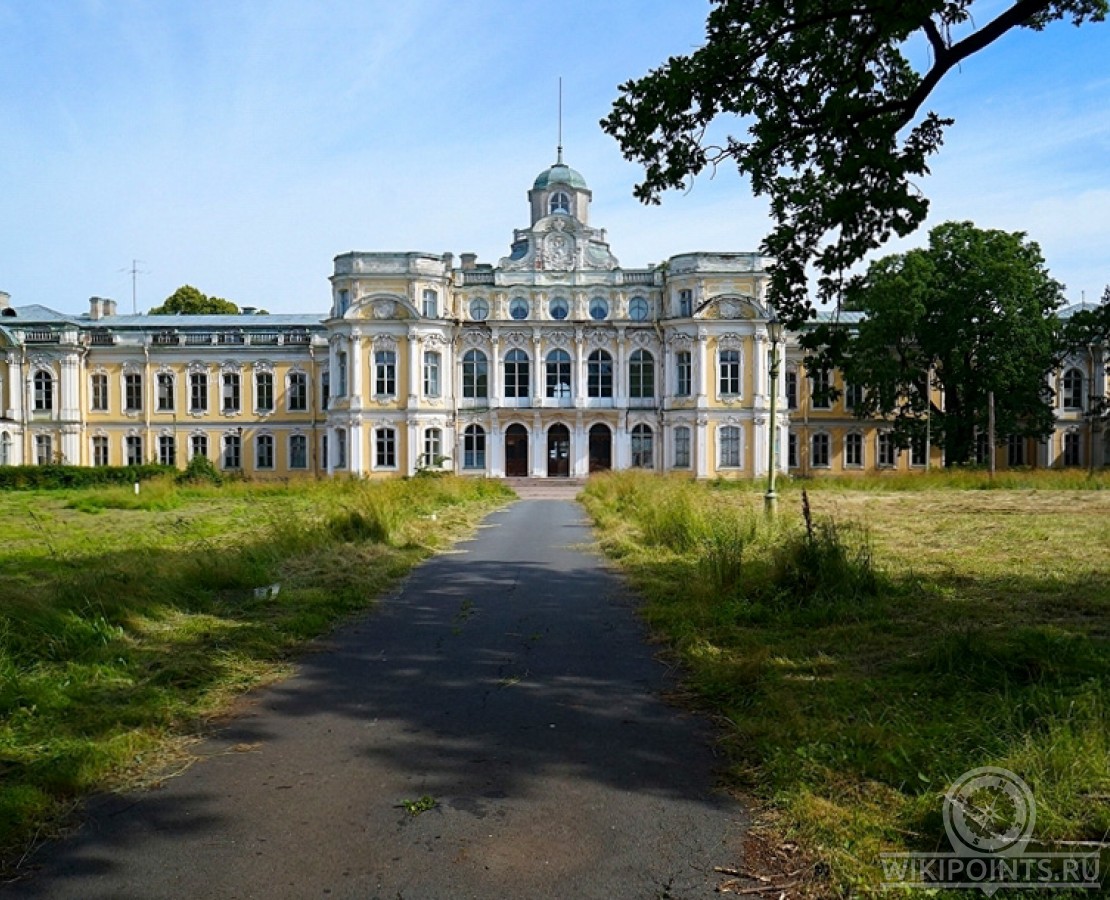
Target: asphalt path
{"x": 509, "y": 681}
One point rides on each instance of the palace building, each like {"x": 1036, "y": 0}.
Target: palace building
{"x": 555, "y": 362}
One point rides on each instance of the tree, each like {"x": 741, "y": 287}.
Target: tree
{"x": 832, "y": 110}
{"x": 187, "y": 300}
{"x": 970, "y": 315}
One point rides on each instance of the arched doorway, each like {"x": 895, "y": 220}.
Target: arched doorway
{"x": 558, "y": 451}
{"x": 601, "y": 448}
{"x": 516, "y": 451}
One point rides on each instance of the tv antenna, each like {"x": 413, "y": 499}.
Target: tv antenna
{"x": 135, "y": 273}
{"x": 559, "y": 150}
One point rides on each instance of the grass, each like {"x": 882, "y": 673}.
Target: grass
{"x": 908, "y": 635}
{"x": 128, "y": 620}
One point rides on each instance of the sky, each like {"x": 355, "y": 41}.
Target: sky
{"x": 239, "y": 146}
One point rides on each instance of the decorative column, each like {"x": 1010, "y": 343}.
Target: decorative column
{"x": 620, "y": 373}
{"x": 496, "y": 378}
{"x": 539, "y": 446}
{"x": 495, "y": 449}
{"x": 355, "y": 363}
{"x": 355, "y": 450}
{"x": 579, "y": 368}
{"x": 15, "y": 388}
{"x": 580, "y": 446}
{"x": 701, "y": 446}
{"x": 412, "y": 448}
{"x": 701, "y": 368}
{"x": 414, "y": 369}
{"x": 540, "y": 371}
{"x": 759, "y": 367}
{"x": 761, "y": 437}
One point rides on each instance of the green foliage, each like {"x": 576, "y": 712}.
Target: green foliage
{"x": 61, "y": 477}
{"x": 976, "y": 310}
{"x": 834, "y": 129}
{"x": 200, "y": 470}
{"x": 422, "y": 805}
{"x": 187, "y": 300}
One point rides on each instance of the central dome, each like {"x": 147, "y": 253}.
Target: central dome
{"x": 560, "y": 174}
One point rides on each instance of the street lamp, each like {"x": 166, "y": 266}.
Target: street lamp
{"x": 774, "y": 332}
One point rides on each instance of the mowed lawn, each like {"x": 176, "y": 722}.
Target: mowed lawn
{"x": 127, "y": 621}
{"x": 848, "y": 711}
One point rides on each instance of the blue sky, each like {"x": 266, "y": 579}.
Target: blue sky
{"x": 239, "y": 146}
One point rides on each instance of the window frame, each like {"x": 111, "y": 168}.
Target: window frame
{"x": 730, "y": 444}
{"x": 264, "y": 451}
{"x": 599, "y": 375}
{"x": 642, "y": 447}
{"x": 557, "y": 364}
{"x": 296, "y": 392}
{"x": 520, "y": 384}
{"x": 263, "y": 391}
{"x": 433, "y": 366}
{"x": 385, "y": 373}
{"x": 231, "y": 392}
{"x": 728, "y": 372}
{"x": 43, "y": 390}
{"x": 198, "y": 390}
{"x": 165, "y": 387}
{"x": 820, "y": 450}
{"x": 683, "y": 373}
{"x": 475, "y": 375}
{"x": 385, "y": 447}
{"x": 474, "y": 447}
{"x": 98, "y": 392}
{"x": 298, "y": 451}
{"x": 681, "y": 441}
{"x": 641, "y": 375}
{"x": 167, "y": 442}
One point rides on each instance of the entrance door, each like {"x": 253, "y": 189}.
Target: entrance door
{"x": 558, "y": 452}
{"x": 516, "y": 451}
{"x": 601, "y": 448}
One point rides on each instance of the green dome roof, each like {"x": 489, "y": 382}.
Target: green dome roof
{"x": 560, "y": 174}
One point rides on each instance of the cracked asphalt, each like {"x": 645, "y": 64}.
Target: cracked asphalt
{"x": 510, "y": 682}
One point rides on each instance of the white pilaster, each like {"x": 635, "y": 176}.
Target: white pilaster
{"x": 355, "y": 363}
{"x": 701, "y": 446}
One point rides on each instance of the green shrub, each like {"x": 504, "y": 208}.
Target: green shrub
{"x": 60, "y": 477}
{"x": 200, "y": 470}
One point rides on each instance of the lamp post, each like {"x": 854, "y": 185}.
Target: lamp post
{"x": 774, "y": 332}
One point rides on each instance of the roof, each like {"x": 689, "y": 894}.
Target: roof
{"x": 35, "y": 314}
{"x": 560, "y": 173}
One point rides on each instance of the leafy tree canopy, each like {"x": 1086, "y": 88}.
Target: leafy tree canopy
{"x": 971, "y": 314}
{"x": 187, "y": 300}
{"x": 832, "y": 111}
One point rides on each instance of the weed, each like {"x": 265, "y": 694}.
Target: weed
{"x": 416, "y": 807}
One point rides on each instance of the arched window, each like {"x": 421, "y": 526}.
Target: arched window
{"x": 558, "y": 202}
{"x": 730, "y": 447}
{"x": 517, "y": 376}
{"x": 558, "y": 374}
{"x": 1073, "y": 389}
{"x": 475, "y": 374}
{"x": 599, "y": 308}
{"x": 641, "y": 374}
{"x": 44, "y": 390}
{"x": 518, "y": 308}
{"x": 642, "y": 446}
{"x": 638, "y": 309}
{"x": 599, "y": 374}
{"x": 558, "y": 308}
{"x": 474, "y": 447}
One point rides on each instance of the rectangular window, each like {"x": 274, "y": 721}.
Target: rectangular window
{"x": 729, "y": 369}
{"x": 167, "y": 450}
{"x": 1072, "y": 455}
{"x": 231, "y": 400}
{"x": 385, "y": 448}
{"x": 165, "y": 392}
{"x": 599, "y": 374}
{"x": 44, "y": 449}
{"x": 730, "y": 447}
{"x": 792, "y": 450}
{"x": 44, "y": 391}
{"x": 682, "y": 447}
{"x": 325, "y": 392}
{"x": 341, "y": 448}
{"x": 298, "y": 451}
{"x": 1015, "y": 450}
{"x": 298, "y": 392}
{"x": 341, "y": 374}
{"x": 233, "y": 451}
{"x": 132, "y": 392}
{"x": 475, "y": 370}
{"x": 887, "y": 451}
{"x": 792, "y": 389}
{"x": 264, "y": 391}
{"x": 264, "y": 451}
{"x": 641, "y": 375}
{"x": 385, "y": 373}
{"x": 100, "y": 451}
{"x": 683, "y": 370}
{"x": 198, "y": 445}
{"x": 99, "y": 393}
{"x": 819, "y": 450}
{"x": 918, "y": 451}
{"x": 433, "y": 447}
{"x": 853, "y": 397}
{"x": 133, "y": 446}
{"x": 431, "y": 373}
{"x": 685, "y": 303}
{"x": 853, "y": 450}
{"x": 198, "y": 392}
{"x": 819, "y": 383}
{"x": 431, "y": 304}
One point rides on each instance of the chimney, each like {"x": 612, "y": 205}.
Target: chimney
{"x": 5, "y": 300}
{"x": 99, "y": 307}
{"x": 468, "y": 261}
{"x": 248, "y": 310}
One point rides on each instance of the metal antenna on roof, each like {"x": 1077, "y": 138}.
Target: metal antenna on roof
{"x": 559, "y": 154}
{"x": 135, "y": 272}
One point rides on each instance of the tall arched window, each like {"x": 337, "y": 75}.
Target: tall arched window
{"x": 474, "y": 447}
{"x": 517, "y": 376}
{"x": 642, "y": 447}
{"x": 1073, "y": 389}
{"x": 599, "y": 374}
{"x": 641, "y": 374}
{"x": 475, "y": 369}
{"x": 557, "y": 381}
{"x": 44, "y": 390}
